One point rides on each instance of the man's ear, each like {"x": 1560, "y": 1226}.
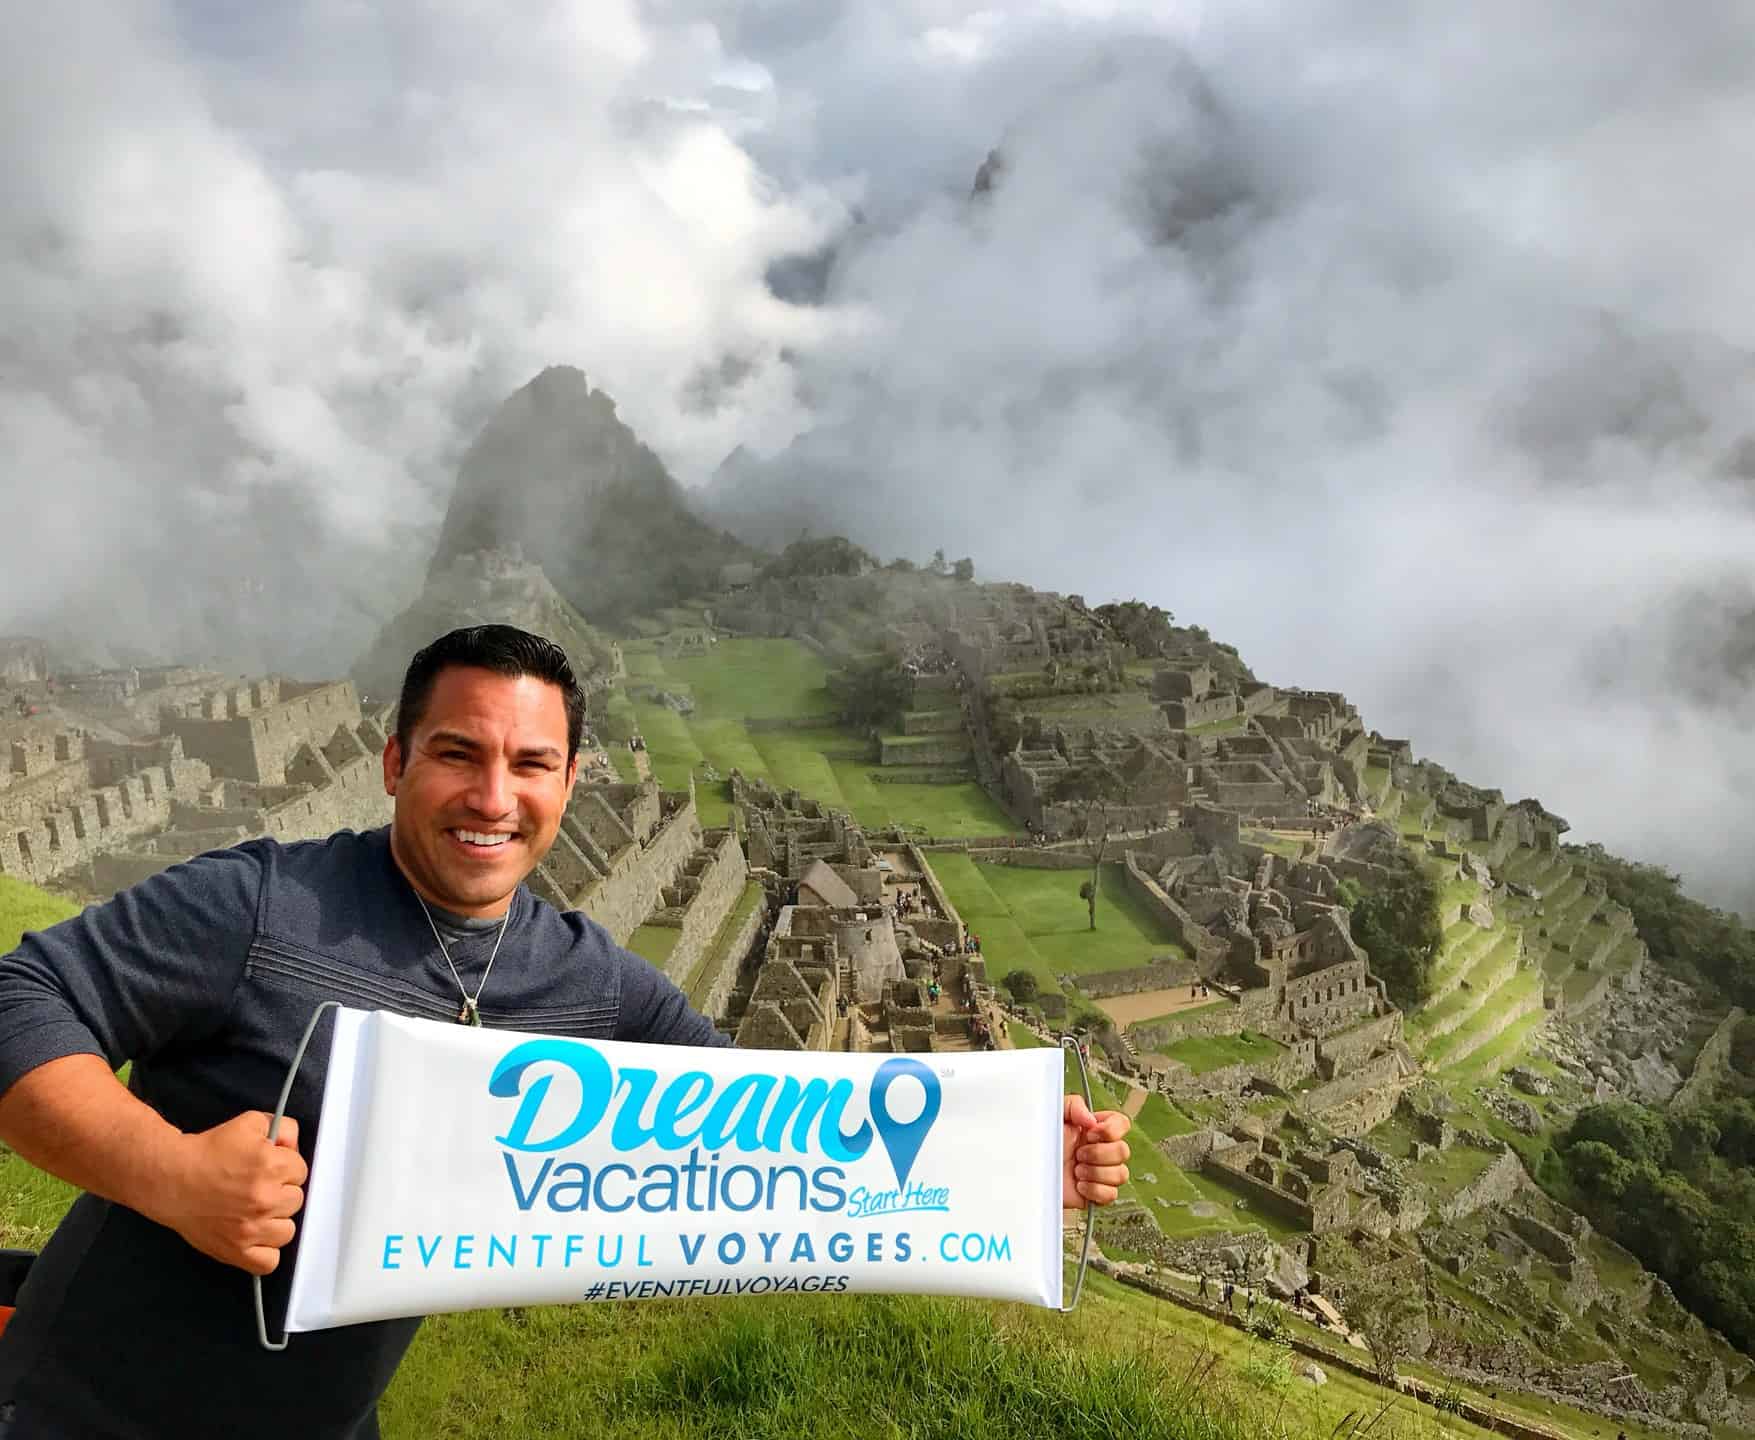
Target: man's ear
{"x": 392, "y": 764}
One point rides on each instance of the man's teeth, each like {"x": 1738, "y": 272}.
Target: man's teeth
{"x": 480, "y": 837}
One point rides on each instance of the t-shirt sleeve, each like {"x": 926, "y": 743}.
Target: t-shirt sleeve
{"x": 654, "y": 1011}
{"x": 155, "y": 965}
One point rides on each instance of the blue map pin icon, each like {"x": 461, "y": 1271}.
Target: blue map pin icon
{"x": 902, "y": 1139}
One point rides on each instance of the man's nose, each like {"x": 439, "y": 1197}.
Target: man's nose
{"x": 491, "y": 794}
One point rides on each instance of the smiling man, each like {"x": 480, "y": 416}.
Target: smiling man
{"x": 135, "y": 1320}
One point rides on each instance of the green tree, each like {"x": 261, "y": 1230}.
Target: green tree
{"x": 831, "y": 555}
{"x": 1146, "y": 629}
{"x": 1743, "y": 1046}
{"x": 964, "y": 569}
{"x": 1685, "y": 937}
{"x": 1396, "y": 923}
{"x": 874, "y": 692}
{"x": 1631, "y": 1131}
{"x": 1023, "y": 985}
{"x": 1095, "y": 792}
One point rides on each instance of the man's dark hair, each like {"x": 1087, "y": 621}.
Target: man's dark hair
{"x": 503, "y": 649}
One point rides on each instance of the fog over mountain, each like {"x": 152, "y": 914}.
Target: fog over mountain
{"x": 1411, "y": 351}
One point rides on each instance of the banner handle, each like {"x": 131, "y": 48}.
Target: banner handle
{"x": 1070, "y": 1042}
{"x": 274, "y": 1130}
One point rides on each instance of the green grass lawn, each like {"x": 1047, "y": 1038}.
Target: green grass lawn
{"x": 24, "y": 907}
{"x": 655, "y": 943}
{"x": 31, "y": 1203}
{"x": 1034, "y": 920}
{"x": 1045, "y": 905}
{"x": 754, "y": 679}
{"x": 1160, "y": 1120}
{"x": 1202, "y": 1053}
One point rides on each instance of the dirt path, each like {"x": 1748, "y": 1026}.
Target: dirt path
{"x": 642, "y": 766}
{"x": 1126, "y": 1010}
{"x": 1135, "y": 1102}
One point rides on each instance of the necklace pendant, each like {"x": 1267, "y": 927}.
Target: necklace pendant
{"x": 469, "y": 1015}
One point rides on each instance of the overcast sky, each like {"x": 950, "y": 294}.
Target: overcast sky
{"x": 1407, "y": 348}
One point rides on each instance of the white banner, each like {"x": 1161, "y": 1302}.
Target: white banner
{"x": 459, "y": 1168}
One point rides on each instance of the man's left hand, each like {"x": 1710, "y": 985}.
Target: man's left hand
{"x": 1095, "y": 1154}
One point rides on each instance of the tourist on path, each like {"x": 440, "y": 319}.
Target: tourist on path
{"x": 135, "y": 1320}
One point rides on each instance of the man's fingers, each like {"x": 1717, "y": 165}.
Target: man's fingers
{"x": 1112, "y": 1152}
{"x": 287, "y": 1203}
{"x": 1111, "y": 1175}
{"x": 260, "y": 1260}
{"x": 288, "y": 1134}
{"x": 1096, "y": 1193}
{"x": 288, "y": 1167}
{"x": 1078, "y": 1113}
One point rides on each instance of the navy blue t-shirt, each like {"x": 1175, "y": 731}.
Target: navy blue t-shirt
{"x": 204, "y": 976}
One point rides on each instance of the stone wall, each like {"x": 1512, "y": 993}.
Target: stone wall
{"x": 1493, "y": 1186}
{"x": 923, "y": 750}
{"x": 720, "y": 880}
{"x": 1254, "y": 1011}
{"x": 1343, "y": 1053}
{"x": 1284, "y": 1072}
{"x": 1328, "y": 998}
{"x": 1107, "y": 984}
{"x": 1710, "y": 1067}
{"x": 1528, "y": 1004}
{"x": 712, "y": 993}
{"x": 111, "y": 817}
{"x": 1363, "y": 1114}
{"x": 256, "y": 743}
{"x": 1190, "y": 1151}
{"x": 350, "y": 797}
{"x": 1210, "y": 954}
{"x": 1576, "y": 1007}
{"x": 1268, "y": 1197}
{"x": 1356, "y": 1363}
{"x": 1031, "y": 859}
{"x": 622, "y": 899}
{"x": 1379, "y": 1071}
{"x": 1186, "y": 714}
{"x": 933, "y": 722}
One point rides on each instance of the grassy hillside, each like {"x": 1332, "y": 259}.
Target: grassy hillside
{"x": 24, "y": 907}
{"x": 742, "y": 690}
{"x": 1122, "y": 1365}
{"x": 31, "y": 1203}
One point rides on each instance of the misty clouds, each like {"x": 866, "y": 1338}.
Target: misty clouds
{"x": 1408, "y": 350}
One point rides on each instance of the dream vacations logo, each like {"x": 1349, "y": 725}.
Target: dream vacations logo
{"x": 754, "y": 1112}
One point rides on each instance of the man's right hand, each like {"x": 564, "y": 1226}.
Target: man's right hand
{"x": 232, "y": 1192}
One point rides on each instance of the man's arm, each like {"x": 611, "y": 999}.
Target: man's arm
{"x": 227, "y": 1191}
{"x": 656, "y": 1012}
{"x": 155, "y": 965}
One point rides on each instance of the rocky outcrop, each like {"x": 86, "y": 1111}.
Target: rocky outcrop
{"x": 485, "y": 587}
{"x": 557, "y": 472}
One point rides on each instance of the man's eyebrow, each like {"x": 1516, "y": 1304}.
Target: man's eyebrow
{"x": 453, "y": 737}
{"x": 540, "y": 752}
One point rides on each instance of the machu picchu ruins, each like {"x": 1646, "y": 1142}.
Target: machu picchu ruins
{"x": 854, "y": 806}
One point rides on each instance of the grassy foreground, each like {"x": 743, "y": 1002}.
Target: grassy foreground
{"x": 24, "y": 907}
{"x": 1122, "y": 1365}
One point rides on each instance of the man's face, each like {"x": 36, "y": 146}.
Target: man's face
{"x": 480, "y": 793}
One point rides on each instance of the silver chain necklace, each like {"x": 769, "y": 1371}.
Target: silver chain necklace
{"x": 470, "y": 1014}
